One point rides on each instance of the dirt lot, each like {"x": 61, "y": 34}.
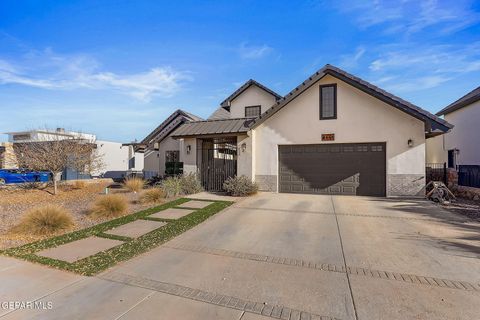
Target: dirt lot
{"x": 15, "y": 203}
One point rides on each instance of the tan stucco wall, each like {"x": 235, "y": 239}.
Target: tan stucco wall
{"x": 189, "y": 159}
{"x": 155, "y": 160}
{"x": 465, "y": 135}
{"x": 435, "y": 150}
{"x": 361, "y": 118}
{"x": 244, "y": 158}
{"x": 253, "y": 96}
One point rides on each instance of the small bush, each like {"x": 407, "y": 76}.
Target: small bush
{"x": 134, "y": 184}
{"x": 190, "y": 184}
{"x": 109, "y": 206}
{"x": 45, "y": 220}
{"x": 172, "y": 186}
{"x": 240, "y": 186}
{"x": 79, "y": 184}
{"x": 153, "y": 195}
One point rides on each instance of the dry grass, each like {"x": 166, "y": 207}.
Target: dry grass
{"x": 109, "y": 206}
{"x": 79, "y": 184}
{"x": 153, "y": 195}
{"x": 134, "y": 184}
{"x": 46, "y": 220}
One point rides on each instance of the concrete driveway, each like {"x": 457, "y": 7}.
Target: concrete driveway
{"x": 284, "y": 256}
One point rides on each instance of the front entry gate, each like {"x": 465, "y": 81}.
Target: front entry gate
{"x": 218, "y": 162}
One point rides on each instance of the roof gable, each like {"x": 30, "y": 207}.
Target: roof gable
{"x": 432, "y": 122}
{"x": 171, "y": 123}
{"x": 471, "y": 97}
{"x": 226, "y": 103}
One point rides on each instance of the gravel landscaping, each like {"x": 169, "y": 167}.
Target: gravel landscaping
{"x": 469, "y": 208}
{"x": 14, "y": 203}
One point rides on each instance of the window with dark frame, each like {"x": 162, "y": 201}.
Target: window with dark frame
{"x": 328, "y": 101}
{"x": 252, "y": 111}
{"x": 172, "y": 156}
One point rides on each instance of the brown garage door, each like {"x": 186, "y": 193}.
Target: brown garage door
{"x": 349, "y": 169}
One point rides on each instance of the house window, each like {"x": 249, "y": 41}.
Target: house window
{"x": 451, "y": 158}
{"x": 131, "y": 163}
{"x": 172, "y": 156}
{"x": 328, "y": 101}
{"x": 252, "y": 111}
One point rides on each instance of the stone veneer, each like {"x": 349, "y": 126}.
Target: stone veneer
{"x": 405, "y": 185}
{"x": 266, "y": 182}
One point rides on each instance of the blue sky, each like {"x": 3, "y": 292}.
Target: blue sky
{"x": 119, "y": 68}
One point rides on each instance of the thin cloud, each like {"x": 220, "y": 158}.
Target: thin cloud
{"x": 47, "y": 70}
{"x": 412, "y": 16}
{"x": 254, "y": 52}
{"x": 420, "y": 67}
{"x": 350, "y": 61}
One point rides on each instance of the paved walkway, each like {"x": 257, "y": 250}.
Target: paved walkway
{"x": 280, "y": 256}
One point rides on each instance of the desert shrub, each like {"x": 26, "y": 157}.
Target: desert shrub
{"x": 79, "y": 184}
{"x": 153, "y": 195}
{"x": 109, "y": 206}
{"x": 172, "y": 186}
{"x": 240, "y": 186}
{"x": 134, "y": 184}
{"x": 45, "y": 220}
{"x": 190, "y": 184}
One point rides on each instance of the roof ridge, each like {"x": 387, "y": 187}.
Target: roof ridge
{"x": 461, "y": 102}
{"x": 213, "y": 120}
{"x": 244, "y": 87}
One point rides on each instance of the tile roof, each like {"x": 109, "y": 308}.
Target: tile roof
{"x": 212, "y": 127}
{"x": 405, "y": 106}
{"x": 245, "y": 86}
{"x": 471, "y": 97}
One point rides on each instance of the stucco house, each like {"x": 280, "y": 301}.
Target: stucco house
{"x": 161, "y": 151}
{"x": 333, "y": 134}
{"x": 460, "y": 147}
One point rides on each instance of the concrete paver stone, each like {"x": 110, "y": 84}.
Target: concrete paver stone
{"x": 136, "y": 228}
{"x": 79, "y": 249}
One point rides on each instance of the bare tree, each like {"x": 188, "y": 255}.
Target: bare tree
{"x": 56, "y": 153}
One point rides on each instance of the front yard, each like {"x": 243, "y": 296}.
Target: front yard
{"x": 122, "y": 246}
{"x": 15, "y": 203}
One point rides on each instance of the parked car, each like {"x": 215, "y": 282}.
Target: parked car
{"x": 22, "y": 176}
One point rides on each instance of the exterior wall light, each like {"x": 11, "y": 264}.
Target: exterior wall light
{"x": 189, "y": 148}
{"x": 244, "y": 147}
{"x": 410, "y": 143}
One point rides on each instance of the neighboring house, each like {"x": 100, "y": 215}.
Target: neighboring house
{"x": 461, "y": 146}
{"x": 118, "y": 160}
{"x": 333, "y": 134}
{"x": 161, "y": 152}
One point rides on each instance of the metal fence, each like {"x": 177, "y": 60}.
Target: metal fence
{"x": 469, "y": 175}
{"x": 436, "y": 172}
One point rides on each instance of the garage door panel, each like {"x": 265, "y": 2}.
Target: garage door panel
{"x": 353, "y": 169}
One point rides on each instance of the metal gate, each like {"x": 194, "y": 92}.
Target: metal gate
{"x": 469, "y": 175}
{"x": 218, "y": 162}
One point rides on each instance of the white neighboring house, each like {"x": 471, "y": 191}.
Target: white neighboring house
{"x": 461, "y": 146}
{"x": 118, "y": 160}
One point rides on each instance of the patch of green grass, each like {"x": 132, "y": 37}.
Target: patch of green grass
{"x": 113, "y": 236}
{"x": 103, "y": 260}
{"x": 158, "y": 219}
